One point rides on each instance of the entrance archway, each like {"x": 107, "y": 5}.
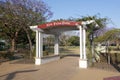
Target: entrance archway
{"x": 56, "y": 28}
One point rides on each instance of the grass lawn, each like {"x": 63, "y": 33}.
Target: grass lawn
{"x": 69, "y": 50}
{"x": 63, "y": 50}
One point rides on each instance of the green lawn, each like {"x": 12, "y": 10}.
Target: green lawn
{"x": 63, "y": 50}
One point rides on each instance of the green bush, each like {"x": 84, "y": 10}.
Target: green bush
{"x": 45, "y": 53}
{"x": 7, "y": 55}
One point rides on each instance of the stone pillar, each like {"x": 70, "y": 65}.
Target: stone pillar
{"x": 56, "y": 45}
{"x": 39, "y": 47}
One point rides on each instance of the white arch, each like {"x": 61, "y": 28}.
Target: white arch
{"x": 50, "y": 28}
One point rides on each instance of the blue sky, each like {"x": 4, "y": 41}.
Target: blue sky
{"x": 77, "y": 8}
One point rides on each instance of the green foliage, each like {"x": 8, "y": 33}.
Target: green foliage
{"x": 7, "y": 55}
{"x": 45, "y": 53}
{"x": 17, "y": 15}
{"x": 64, "y": 40}
{"x": 91, "y": 29}
{"x": 111, "y": 35}
{"x": 49, "y": 40}
{"x": 73, "y": 41}
{"x": 100, "y": 21}
{"x": 2, "y": 46}
{"x": 22, "y": 37}
{"x": 34, "y": 52}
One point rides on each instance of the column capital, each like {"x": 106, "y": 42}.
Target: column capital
{"x": 35, "y": 28}
{"x": 79, "y": 26}
{"x": 84, "y": 27}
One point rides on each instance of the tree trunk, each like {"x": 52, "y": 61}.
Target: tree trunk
{"x": 30, "y": 45}
{"x": 30, "y": 42}
{"x": 12, "y": 45}
{"x": 13, "y": 41}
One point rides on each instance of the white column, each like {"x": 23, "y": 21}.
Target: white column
{"x": 80, "y": 36}
{"x": 56, "y": 45}
{"x": 82, "y": 60}
{"x": 39, "y": 47}
{"x": 40, "y": 44}
{"x": 84, "y": 44}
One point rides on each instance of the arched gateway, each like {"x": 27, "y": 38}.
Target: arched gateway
{"x": 56, "y": 28}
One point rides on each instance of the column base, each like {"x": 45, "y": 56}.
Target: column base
{"x": 38, "y": 61}
{"x": 47, "y": 59}
{"x": 83, "y": 63}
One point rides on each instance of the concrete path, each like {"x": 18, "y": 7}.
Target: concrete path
{"x": 93, "y": 74}
{"x": 63, "y": 69}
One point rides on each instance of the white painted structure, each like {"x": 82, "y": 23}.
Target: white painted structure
{"x": 56, "y": 28}
{"x": 83, "y": 58}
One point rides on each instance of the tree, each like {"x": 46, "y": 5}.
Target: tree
{"x": 64, "y": 39}
{"x": 73, "y": 41}
{"x": 111, "y": 35}
{"x": 20, "y": 14}
{"x": 49, "y": 40}
{"x": 91, "y": 29}
{"x": 9, "y": 23}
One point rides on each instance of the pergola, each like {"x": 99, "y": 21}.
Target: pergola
{"x": 56, "y": 28}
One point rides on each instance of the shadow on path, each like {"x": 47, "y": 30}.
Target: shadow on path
{"x": 11, "y": 76}
{"x": 115, "y": 62}
{"x": 116, "y": 67}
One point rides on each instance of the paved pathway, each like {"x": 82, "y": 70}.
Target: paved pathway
{"x": 93, "y": 74}
{"x": 63, "y": 69}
